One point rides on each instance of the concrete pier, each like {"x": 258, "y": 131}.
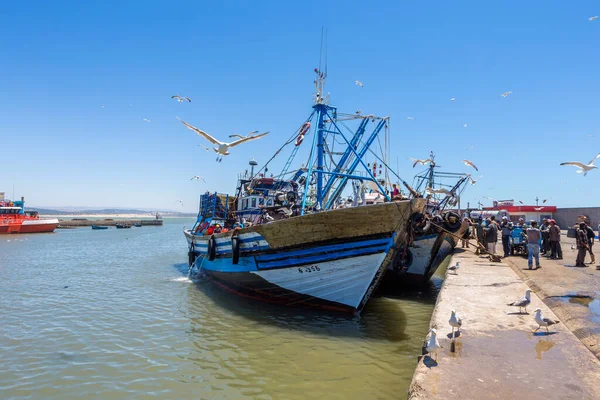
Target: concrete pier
{"x": 496, "y": 355}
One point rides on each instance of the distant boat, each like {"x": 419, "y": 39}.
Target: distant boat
{"x": 14, "y": 219}
{"x": 99, "y": 227}
{"x": 138, "y": 224}
{"x": 122, "y": 226}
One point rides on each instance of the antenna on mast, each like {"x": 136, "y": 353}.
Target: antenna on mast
{"x": 320, "y": 80}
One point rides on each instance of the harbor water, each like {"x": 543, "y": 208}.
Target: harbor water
{"x": 111, "y": 314}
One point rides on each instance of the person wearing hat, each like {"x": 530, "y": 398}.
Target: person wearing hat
{"x": 582, "y": 244}
{"x": 554, "y": 237}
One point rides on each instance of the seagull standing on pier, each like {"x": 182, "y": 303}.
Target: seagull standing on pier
{"x": 470, "y": 164}
{"x": 523, "y": 302}
{"x": 454, "y": 267}
{"x": 222, "y": 147}
{"x": 181, "y": 99}
{"x": 455, "y": 322}
{"x": 583, "y": 168}
{"x": 432, "y": 344}
{"x": 542, "y": 321}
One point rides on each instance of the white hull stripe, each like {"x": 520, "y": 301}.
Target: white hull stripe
{"x": 343, "y": 281}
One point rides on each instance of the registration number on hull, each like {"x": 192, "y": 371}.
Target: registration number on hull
{"x": 312, "y": 268}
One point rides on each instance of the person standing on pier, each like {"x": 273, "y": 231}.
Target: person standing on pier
{"x": 507, "y": 228}
{"x": 533, "y": 245}
{"x": 555, "y": 241}
{"x": 582, "y": 245}
{"x": 491, "y": 234}
{"x": 544, "y": 229}
{"x": 591, "y": 236}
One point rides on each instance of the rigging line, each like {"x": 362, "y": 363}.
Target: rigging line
{"x": 387, "y": 166}
{"x": 290, "y": 140}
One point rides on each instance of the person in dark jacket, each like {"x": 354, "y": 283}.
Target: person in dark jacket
{"x": 491, "y": 235}
{"x": 582, "y": 245}
{"x": 591, "y": 236}
{"x": 544, "y": 228}
{"x": 555, "y": 241}
{"x": 506, "y": 228}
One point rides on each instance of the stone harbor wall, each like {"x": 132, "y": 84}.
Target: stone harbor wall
{"x": 566, "y": 217}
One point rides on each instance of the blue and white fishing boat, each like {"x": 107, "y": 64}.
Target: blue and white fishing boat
{"x": 297, "y": 238}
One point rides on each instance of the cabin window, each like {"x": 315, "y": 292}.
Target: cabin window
{"x": 270, "y": 202}
{"x": 245, "y": 203}
{"x": 254, "y": 202}
{"x": 261, "y": 201}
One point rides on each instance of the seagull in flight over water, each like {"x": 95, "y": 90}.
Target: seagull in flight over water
{"x": 583, "y": 168}
{"x": 146, "y": 120}
{"x": 222, "y": 147}
{"x": 198, "y": 178}
{"x": 593, "y": 18}
{"x": 506, "y": 93}
{"x": 359, "y": 83}
{"x": 181, "y": 99}
{"x": 179, "y": 201}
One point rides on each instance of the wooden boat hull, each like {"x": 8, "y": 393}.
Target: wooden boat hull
{"x": 427, "y": 253}
{"x": 332, "y": 260}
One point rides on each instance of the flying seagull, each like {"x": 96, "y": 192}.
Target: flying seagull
{"x": 419, "y": 161}
{"x": 545, "y": 322}
{"x": 222, "y": 147}
{"x": 439, "y": 191}
{"x": 473, "y": 181}
{"x": 410, "y": 118}
{"x": 506, "y": 93}
{"x": 523, "y": 302}
{"x": 452, "y": 99}
{"x": 243, "y": 137}
{"x": 179, "y": 201}
{"x": 181, "y": 99}
{"x": 359, "y": 83}
{"x": 198, "y": 178}
{"x": 147, "y": 120}
{"x": 432, "y": 344}
{"x": 583, "y": 168}
{"x": 470, "y": 164}
{"x": 464, "y": 125}
{"x": 595, "y": 17}
{"x": 454, "y": 267}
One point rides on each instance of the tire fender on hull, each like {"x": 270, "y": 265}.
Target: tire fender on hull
{"x": 212, "y": 248}
{"x": 235, "y": 249}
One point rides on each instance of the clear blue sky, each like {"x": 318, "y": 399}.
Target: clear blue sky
{"x": 249, "y": 65}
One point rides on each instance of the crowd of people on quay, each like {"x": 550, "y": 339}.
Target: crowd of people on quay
{"x": 534, "y": 239}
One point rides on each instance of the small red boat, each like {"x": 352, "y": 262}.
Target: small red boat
{"x": 14, "y": 219}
